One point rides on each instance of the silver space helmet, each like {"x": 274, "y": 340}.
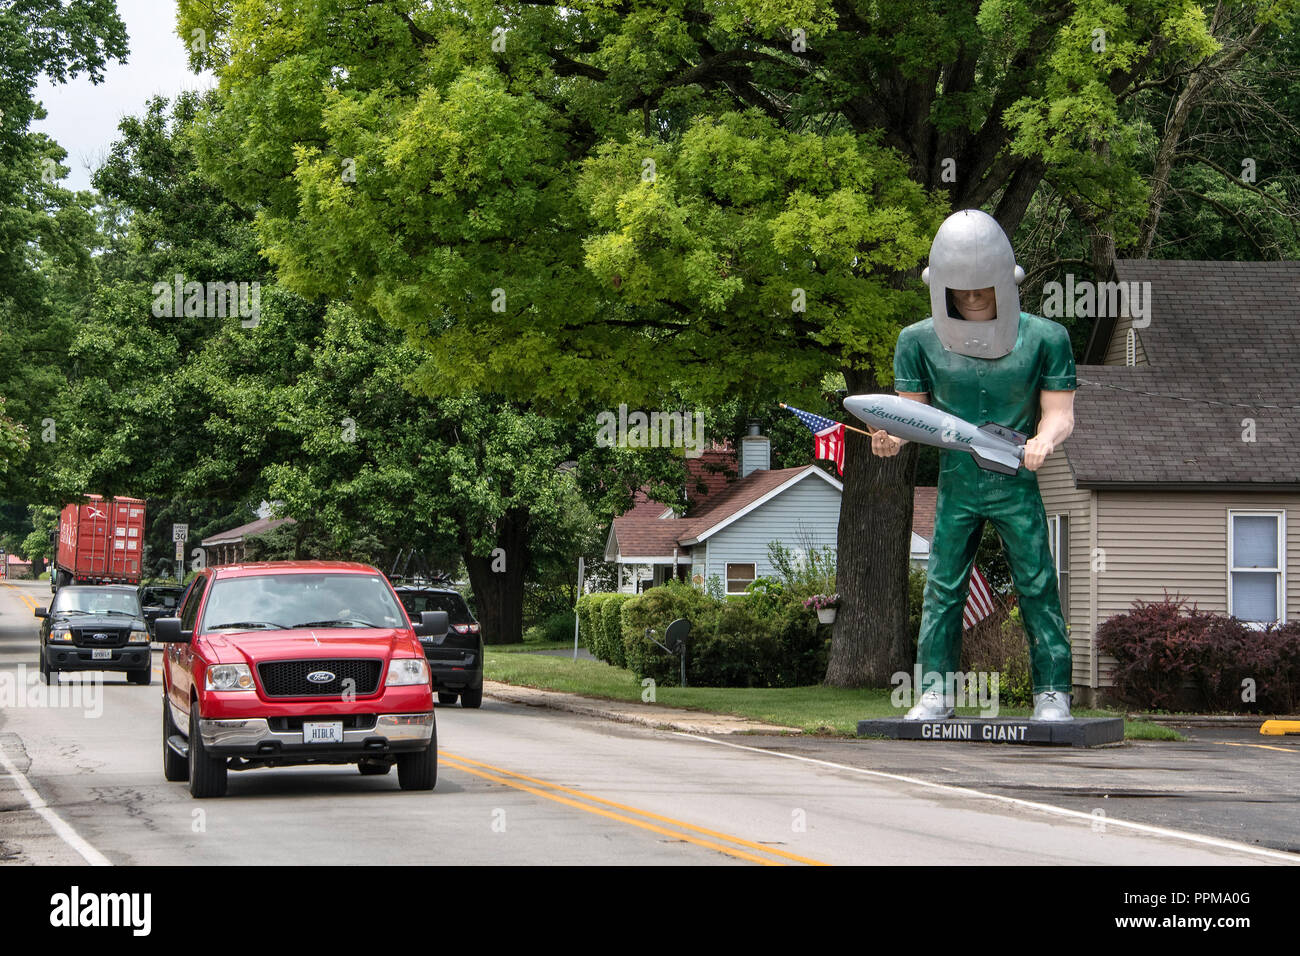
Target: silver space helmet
{"x": 970, "y": 251}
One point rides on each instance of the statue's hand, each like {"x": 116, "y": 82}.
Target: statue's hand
{"x": 885, "y": 445}
{"x": 1036, "y": 451}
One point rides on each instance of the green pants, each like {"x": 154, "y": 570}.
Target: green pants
{"x": 968, "y": 496}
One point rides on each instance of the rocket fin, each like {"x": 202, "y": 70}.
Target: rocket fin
{"x": 998, "y": 461}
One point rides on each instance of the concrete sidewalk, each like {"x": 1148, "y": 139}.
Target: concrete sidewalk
{"x": 628, "y": 712}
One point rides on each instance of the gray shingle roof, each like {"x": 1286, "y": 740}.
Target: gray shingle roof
{"x": 1223, "y": 343}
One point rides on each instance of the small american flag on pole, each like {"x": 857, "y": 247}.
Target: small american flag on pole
{"x": 828, "y": 436}
{"x": 979, "y": 602}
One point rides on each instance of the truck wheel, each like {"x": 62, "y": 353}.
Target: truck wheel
{"x": 207, "y": 774}
{"x": 419, "y": 771}
{"x": 471, "y": 698}
{"x": 144, "y": 677}
{"x": 175, "y": 767}
{"x": 447, "y": 697}
{"x": 44, "y": 670}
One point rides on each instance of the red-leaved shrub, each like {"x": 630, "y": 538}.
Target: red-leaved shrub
{"x": 1160, "y": 647}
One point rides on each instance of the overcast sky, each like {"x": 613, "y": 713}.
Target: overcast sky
{"x": 83, "y": 117}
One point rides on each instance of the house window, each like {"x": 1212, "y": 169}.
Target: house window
{"x": 1058, "y": 532}
{"x": 1255, "y": 576}
{"x": 739, "y": 577}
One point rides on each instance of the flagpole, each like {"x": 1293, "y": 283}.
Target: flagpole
{"x": 848, "y": 427}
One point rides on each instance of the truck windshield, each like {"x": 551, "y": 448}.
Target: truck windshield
{"x": 287, "y": 601}
{"x": 95, "y": 601}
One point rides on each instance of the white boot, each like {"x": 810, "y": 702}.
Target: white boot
{"x": 1052, "y": 705}
{"x": 931, "y": 706}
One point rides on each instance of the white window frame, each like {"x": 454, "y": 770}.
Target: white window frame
{"x": 727, "y": 580}
{"x": 1280, "y": 570}
{"x": 1060, "y": 561}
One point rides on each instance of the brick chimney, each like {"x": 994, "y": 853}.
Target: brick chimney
{"x": 755, "y": 451}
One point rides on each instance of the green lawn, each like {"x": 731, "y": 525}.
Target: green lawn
{"x": 815, "y": 709}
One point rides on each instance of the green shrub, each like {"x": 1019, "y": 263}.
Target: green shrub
{"x": 766, "y": 596}
{"x": 556, "y": 627}
{"x": 802, "y": 576}
{"x": 740, "y": 643}
{"x": 733, "y": 648}
{"x": 657, "y": 608}
{"x": 997, "y": 645}
{"x": 588, "y": 617}
{"x": 611, "y": 629}
{"x": 915, "y": 604}
{"x": 805, "y": 647}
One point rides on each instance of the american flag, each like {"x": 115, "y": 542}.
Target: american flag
{"x": 828, "y": 436}
{"x": 979, "y": 602}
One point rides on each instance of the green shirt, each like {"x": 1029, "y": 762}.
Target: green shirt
{"x": 1003, "y": 390}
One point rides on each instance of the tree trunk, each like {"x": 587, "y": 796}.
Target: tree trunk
{"x": 498, "y": 580}
{"x": 870, "y": 641}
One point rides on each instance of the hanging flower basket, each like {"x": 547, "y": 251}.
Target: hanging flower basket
{"x": 825, "y": 605}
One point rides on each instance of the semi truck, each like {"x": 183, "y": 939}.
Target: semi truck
{"x": 100, "y": 541}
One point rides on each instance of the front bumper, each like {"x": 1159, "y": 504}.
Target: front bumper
{"x": 69, "y": 657}
{"x": 253, "y": 737}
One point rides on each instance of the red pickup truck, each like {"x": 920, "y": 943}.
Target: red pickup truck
{"x": 296, "y": 662}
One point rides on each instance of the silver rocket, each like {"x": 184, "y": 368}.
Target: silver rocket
{"x": 993, "y": 447}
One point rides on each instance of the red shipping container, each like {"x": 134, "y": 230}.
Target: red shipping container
{"x": 102, "y": 541}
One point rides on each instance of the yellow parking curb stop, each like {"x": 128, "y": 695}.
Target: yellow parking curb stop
{"x": 1278, "y": 728}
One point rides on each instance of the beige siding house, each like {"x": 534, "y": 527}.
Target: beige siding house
{"x": 1183, "y": 474}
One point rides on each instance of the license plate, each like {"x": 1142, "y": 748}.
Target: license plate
{"x": 323, "y": 732}
{"x": 101, "y": 654}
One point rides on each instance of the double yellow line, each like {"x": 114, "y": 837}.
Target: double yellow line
{"x": 22, "y": 595}
{"x": 666, "y": 826}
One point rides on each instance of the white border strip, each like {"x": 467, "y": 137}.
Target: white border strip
{"x": 34, "y": 800}
{"x": 1277, "y": 855}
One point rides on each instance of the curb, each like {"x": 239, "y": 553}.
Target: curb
{"x": 1206, "y": 720}
{"x": 645, "y": 715}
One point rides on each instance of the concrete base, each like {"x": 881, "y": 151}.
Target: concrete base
{"x": 1080, "y": 732}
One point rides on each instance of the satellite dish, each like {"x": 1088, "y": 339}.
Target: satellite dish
{"x": 676, "y": 634}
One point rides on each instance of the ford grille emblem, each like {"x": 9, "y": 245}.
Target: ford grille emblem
{"x": 99, "y": 637}
{"x": 320, "y": 677}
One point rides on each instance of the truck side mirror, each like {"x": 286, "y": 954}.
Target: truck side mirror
{"x": 167, "y": 630}
{"x": 432, "y": 624}
{"x": 42, "y": 612}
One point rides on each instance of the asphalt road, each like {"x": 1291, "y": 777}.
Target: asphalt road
{"x": 82, "y": 781}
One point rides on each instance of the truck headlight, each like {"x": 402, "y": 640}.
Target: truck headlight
{"x": 60, "y": 634}
{"x": 139, "y": 633}
{"x": 230, "y": 677}
{"x": 407, "y": 670}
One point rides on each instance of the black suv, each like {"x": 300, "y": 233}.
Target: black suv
{"x": 159, "y": 600}
{"x": 455, "y": 660}
{"x": 95, "y": 628}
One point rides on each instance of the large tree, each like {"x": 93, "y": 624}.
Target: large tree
{"x": 613, "y": 199}
{"x": 46, "y": 232}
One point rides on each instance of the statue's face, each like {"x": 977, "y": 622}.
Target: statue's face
{"x": 977, "y": 305}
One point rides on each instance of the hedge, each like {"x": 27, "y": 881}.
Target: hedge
{"x": 1169, "y": 656}
{"x": 611, "y": 629}
{"x": 588, "y": 614}
{"x": 657, "y": 608}
{"x": 731, "y": 644}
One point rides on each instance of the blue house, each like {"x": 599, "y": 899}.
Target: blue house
{"x": 727, "y": 527}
